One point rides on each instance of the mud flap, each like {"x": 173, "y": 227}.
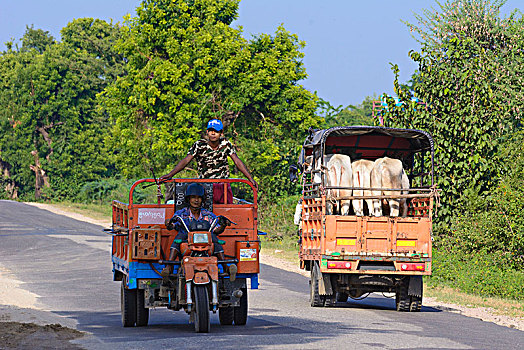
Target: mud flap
{"x": 415, "y": 286}
{"x": 324, "y": 284}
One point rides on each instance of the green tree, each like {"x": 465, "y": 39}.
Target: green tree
{"x": 469, "y": 67}
{"x": 494, "y": 224}
{"x": 186, "y": 64}
{"x": 36, "y": 39}
{"x": 361, "y": 114}
{"x": 52, "y": 134}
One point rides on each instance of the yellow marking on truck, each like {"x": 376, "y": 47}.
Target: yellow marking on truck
{"x": 402, "y": 243}
{"x": 345, "y": 241}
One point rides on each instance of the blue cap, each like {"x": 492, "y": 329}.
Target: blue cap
{"x": 215, "y": 124}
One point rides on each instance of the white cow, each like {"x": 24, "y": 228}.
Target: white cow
{"x": 388, "y": 173}
{"x": 362, "y": 178}
{"x": 339, "y": 174}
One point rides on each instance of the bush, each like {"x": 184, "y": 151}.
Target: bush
{"x": 479, "y": 273}
{"x": 107, "y": 190}
{"x": 494, "y": 224}
{"x": 276, "y": 217}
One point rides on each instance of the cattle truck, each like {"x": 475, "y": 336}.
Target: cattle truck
{"x": 351, "y": 256}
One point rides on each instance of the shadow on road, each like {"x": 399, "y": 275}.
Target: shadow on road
{"x": 166, "y": 324}
{"x": 377, "y": 302}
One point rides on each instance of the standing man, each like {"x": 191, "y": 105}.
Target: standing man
{"x": 211, "y": 157}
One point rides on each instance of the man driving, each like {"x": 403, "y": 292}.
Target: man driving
{"x": 195, "y": 218}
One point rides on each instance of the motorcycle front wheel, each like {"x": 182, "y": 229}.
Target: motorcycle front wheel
{"x": 201, "y": 309}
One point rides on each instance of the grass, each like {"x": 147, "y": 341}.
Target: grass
{"x": 500, "y": 306}
{"x": 91, "y": 210}
{"x": 286, "y": 249}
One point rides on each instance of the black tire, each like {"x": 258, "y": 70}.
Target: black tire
{"x": 128, "y": 305}
{"x": 240, "y": 312}
{"x": 226, "y": 315}
{"x": 331, "y": 301}
{"x": 342, "y": 297}
{"x": 201, "y": 309}
{"x": 315, "y": 298}
{"x": 416, "y": 304}
{"x": 142, "y": 312}
{"x": 403, "y": 300}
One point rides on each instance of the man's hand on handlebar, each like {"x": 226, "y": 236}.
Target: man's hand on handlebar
{"x": 164, "y": 178}
{"x": 223, "y": 222}
{"x": 170, "y": 224}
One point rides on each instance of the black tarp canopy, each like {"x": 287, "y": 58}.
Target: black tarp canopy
{"x": 368, "y": 142}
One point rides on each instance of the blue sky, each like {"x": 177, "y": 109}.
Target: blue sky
{"x": 349, "y": 43}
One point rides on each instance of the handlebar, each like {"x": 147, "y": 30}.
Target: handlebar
{"x": 225, "y": 221}
{"x": 173, "y": 262}
{"x": 179, "y": 218}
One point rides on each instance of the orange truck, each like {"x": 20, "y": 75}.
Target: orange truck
{"x": 140, "y": 248}
{"x": 352, "y": 256}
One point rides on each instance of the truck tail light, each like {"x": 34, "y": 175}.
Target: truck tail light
{"x": 413, "y": 267}
{"x": 339, "y": 265}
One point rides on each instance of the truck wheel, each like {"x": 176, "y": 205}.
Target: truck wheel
{"x": 416, "y": 301}
{"x": 240, "y": 312}
{"x": 416, "y": 304}
{"x": 226, "y": 315}
{"x": 201, "y": 309}
{"x": 128, "y": 305}
{"x": 142, "y": 312}
{"x": 403, "y": 300}
{"x": 331, "y": 300}
{"x": 315, "y": 298}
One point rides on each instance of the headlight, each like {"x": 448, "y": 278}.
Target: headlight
{"x": 200, "y": 238}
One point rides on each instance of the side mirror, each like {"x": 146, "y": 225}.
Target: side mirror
{"x": 293, "y": 173}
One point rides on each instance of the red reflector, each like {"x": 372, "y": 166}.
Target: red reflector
{"x": 339, "y": 265}
{"x": 413, "y": 267}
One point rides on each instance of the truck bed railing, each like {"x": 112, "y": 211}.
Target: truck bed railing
{"x": 384, "y": 197}
{"x": 379, "y": 189}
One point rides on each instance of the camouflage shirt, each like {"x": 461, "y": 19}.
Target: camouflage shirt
{"x": 212, "y": 164}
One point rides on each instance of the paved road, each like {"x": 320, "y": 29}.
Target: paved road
{"x": 67, "y": 263}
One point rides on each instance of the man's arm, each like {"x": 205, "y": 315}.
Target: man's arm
{"x": 241, "y": 166}
{"x": 181, "y": 165}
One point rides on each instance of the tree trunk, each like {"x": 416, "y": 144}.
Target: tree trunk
{"x": 10, "y": 186}
{"x": 41, "y": 179}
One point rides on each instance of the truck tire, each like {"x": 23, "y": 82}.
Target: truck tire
{"x": 142, "y": 312}
{"x": 226, "y": 315}
{"x": 127, "y": 305}
{"x": 416, "y": 304}
{"x": 240, "y": 312}
{"x": 201, "y": 309}
{"x": 402, "y": 299}
{"x": 315, "y": 298}
{"x": 330, "y": 300}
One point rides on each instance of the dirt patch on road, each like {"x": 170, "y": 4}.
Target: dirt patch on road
{"x": 11, "y": 292}
{"x": 16, "y": 335}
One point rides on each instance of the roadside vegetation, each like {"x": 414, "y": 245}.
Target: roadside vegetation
{"x": 82, "y": 117}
